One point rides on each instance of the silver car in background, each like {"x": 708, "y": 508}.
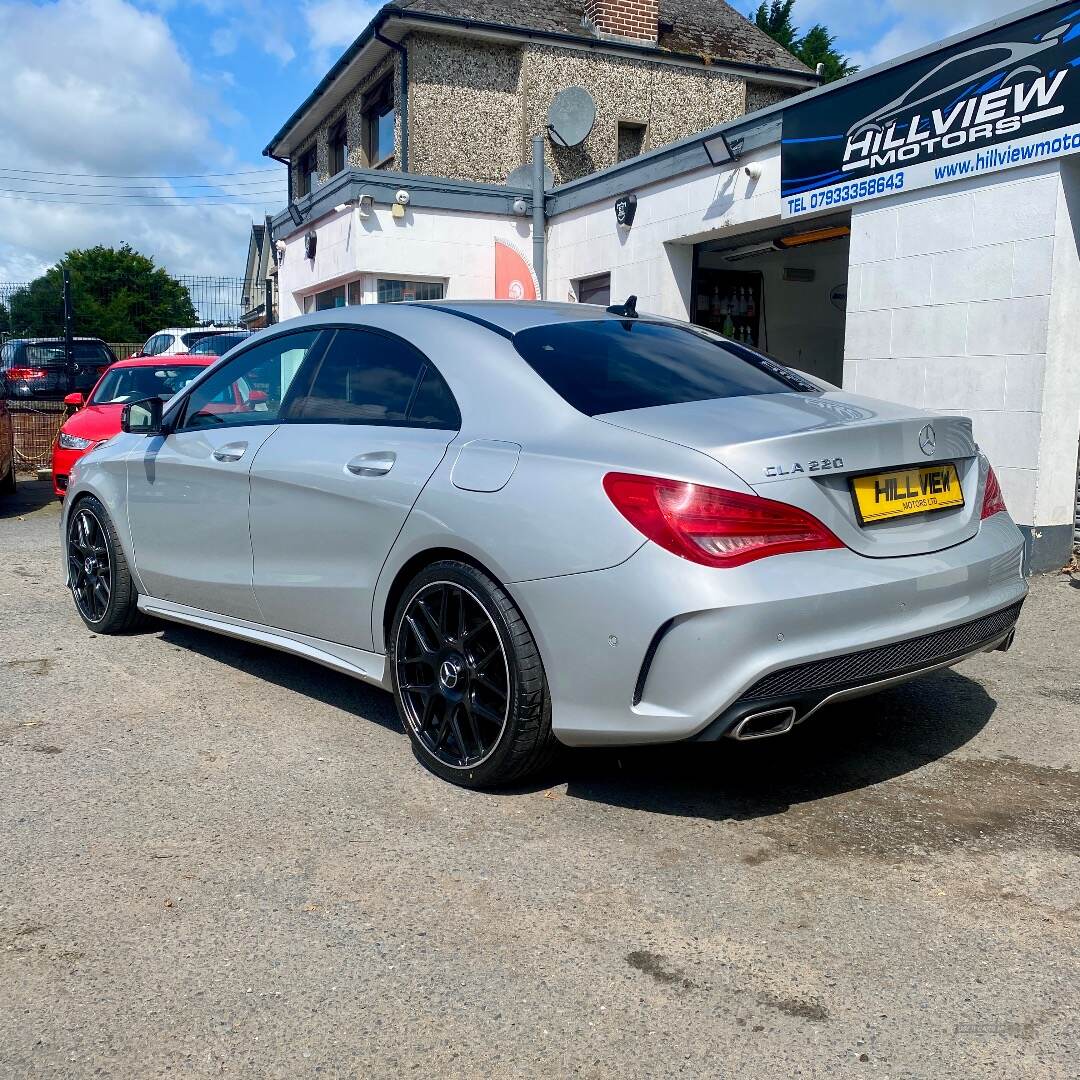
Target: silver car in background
{"x": 546, "y": 523}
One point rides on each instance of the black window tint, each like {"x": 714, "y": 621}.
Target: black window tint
{"x": 612, "y": 365}
{"x": 250, "y": 388}
{"x": 363, "y": 378}
{"x": 434, "y": 404}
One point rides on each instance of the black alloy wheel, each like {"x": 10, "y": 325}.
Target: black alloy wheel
{"x": 90, "y": 571}
{"x": 98, "y": 575}
{"x": 468, "y": 679}
{"x": 453, "y": 675}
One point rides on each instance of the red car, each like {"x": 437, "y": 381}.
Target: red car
{"x": 98, "y": 418}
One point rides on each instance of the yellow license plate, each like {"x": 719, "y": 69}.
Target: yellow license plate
{"x": 918, "y": 490}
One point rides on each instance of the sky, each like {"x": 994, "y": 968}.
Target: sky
{"x": 144, "y": 120}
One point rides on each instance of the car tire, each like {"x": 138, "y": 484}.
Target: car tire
{"x": 98, "y": 573}
{"x": 7, "y": 485}
{"x": 468, "y": 680}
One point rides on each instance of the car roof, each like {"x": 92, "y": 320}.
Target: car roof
{"x": 182, "y": 360}
{"x": 49, "y": 340}
{"x": 212, "y": 329}
{"x": 510, "y": 316}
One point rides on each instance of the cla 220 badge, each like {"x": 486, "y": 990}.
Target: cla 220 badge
{"x": 824, "y": 465}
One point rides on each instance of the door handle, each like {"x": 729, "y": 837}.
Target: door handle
{"x": 378, "y": 463}
{"x": 233, "y": 451}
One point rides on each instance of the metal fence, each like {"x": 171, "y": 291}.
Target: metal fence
{"x": 117, "y": 307}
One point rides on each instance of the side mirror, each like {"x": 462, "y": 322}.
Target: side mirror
{"x": 76, "y": 400}
{"x": 142, "y": 417}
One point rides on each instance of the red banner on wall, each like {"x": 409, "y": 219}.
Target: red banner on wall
{"x": 514, "y": 279}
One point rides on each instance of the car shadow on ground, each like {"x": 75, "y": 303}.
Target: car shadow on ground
{"x": 30, "y": 495}
{"x": 366, "y": 703}
{"x": 853, "y": 745}
{"x": 848, "y": 747}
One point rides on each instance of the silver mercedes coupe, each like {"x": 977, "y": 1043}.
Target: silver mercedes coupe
{"x": 538, "y": 524}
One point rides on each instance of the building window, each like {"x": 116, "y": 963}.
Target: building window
{"x": 307, "y": 172}
{"x": 594, "y": 290}
{"x": 356, "y": 292}
{"x": 380, "y": 119}
{"x": 339, "y": 147}
{"x": 631, "y": 140}
{"x": 393, "y": 291}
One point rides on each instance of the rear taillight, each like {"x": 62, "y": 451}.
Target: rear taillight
{"x": 22, "y": 374}
{"x": 993, "y": 500}
{"x": 714, "y": 527}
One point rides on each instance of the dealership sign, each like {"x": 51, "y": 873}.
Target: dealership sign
{"x": 1006, "y": 98}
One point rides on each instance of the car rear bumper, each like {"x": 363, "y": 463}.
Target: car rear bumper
{"x": 659, "y": 649}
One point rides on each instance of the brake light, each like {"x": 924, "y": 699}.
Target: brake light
{"x": 714, "y": 527}
{"x": 21, "y": 374}
{"x": 993, "y": 500}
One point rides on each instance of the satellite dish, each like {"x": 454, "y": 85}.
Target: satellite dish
{"x": 522, "y": 176}
{"x": 571, "y": 116}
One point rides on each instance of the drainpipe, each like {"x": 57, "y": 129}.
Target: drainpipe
{"x": 404, "y": 54}
{"x": 288, "y": 172}
{"x": 538, "y": 216}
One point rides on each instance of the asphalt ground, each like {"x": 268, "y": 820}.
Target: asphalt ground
{"x": 220, "y": 860}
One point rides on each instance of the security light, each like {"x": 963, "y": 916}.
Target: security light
{"x": 294, "y": 213}
{"x": 721, "y": 149}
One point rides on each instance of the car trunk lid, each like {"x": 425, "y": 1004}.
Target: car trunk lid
{"x": 805, "y": 450}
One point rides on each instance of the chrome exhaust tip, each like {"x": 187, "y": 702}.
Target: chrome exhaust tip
{"x": 764, "y": 725}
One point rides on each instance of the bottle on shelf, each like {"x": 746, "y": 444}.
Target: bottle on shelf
{"x": 729, "y": 328}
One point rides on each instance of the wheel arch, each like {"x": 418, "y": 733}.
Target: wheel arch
{"x": 407, "y": 571}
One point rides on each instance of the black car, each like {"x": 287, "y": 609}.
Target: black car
{"x": 36, "y": 368}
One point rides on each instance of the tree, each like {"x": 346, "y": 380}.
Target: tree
{"x": 117, "y": 294}
{"x": 816, "y": 46}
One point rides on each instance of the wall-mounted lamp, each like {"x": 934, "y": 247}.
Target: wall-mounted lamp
{"x": 722, "y": 148}
{"x": 366, "y": 205}
{"x": 294, "y": 213}
{"x": 311, "y": 241}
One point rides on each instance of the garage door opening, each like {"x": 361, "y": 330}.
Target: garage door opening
{"x": 783, "y": 291}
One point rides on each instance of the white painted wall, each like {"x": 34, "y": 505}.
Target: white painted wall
{"x": 654, "y": 259}
{"x": 960, "y": 300}
{"x": 453, "y": 246}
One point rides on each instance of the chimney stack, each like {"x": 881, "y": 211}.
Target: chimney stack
{"x": 636, "y": 20}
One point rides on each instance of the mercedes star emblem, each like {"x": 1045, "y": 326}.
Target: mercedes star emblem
{"x": 928, "y": 440}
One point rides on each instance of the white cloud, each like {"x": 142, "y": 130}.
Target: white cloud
{"x": 872, "y": 35}
{"x": 100, "y": 87}
{"x": 335, "y": 24}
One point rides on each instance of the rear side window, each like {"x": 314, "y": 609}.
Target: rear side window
{"x": 158, "y": 344}
{"x": 612, "y": 365}
{"x": 369, "y": 378}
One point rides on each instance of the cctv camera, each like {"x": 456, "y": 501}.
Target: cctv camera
{"x": 521, "y": 207}
{"x": 753, "y": 170}
{"x": 403, "y": 197}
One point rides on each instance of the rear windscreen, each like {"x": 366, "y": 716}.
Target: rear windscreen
{"x": 84, "y": 351}
{"x": 612, "y": 365}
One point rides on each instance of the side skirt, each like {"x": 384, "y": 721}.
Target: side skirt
{"x": 368, "y": 666}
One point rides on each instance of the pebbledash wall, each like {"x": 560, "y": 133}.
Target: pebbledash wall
{"x": 960, "y": 296}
